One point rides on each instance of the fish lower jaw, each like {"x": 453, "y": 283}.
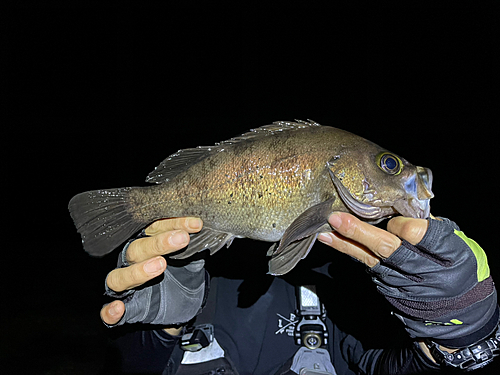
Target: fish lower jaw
{"x": 416, "y": 208}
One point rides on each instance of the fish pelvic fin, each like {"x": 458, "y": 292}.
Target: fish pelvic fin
{"x": 207, "y": 238}
{"x": 299, "y": 237}
{"x": 104, "y": 219}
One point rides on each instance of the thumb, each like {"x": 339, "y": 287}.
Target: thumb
{"x": 113, "y": 312}
{"x": 409, "y": 229}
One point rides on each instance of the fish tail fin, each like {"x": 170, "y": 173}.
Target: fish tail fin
{"x": 104, "y": 219}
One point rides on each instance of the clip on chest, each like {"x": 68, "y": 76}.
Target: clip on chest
{"x": 311, "y": 330}
{"x": 311, "y": 333}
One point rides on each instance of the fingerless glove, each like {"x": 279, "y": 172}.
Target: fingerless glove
{"x": 441, "y": 287}
{"x": 171, "y": 299}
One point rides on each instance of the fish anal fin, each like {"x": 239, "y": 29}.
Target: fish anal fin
{"x": 207, "y": 238}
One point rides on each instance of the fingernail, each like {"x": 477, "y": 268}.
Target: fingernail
{"x": 194, "y": 223}
{"x": 154, "y": 265}
{"x": 179, "y": 238}
{"x": 325, "y": 237}
{"x": 112, "y": 310}
{"x": 335, "y": 220}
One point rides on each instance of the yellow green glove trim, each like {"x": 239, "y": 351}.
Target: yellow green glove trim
{"x": 483, "y": 270}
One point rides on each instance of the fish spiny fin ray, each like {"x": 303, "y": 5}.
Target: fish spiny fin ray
{"x": 266, "y": 130}
{"x": 182, "y": 160}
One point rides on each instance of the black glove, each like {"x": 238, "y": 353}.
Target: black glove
{"x": 441, "y": 287}
{"x": 176, "y": 299}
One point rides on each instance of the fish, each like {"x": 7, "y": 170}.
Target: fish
{"x": 277, "y": 183}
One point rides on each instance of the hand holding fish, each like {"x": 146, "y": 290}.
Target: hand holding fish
{"x": 370, "y": 244}
{"x": 142, "y": 261}
{"x": 437, "y": 278}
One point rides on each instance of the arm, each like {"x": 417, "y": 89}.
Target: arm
{"x": 404, "y": 361}
{"x": 424, "y": 268}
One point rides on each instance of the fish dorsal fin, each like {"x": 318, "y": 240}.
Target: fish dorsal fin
{"x": 266, "y": 130}
{"x": 177, "y": 163}
{"x": 183, "y": 159}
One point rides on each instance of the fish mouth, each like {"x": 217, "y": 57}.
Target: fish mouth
{"x": 416, "y": 204}
{"x": 415, "y": 208}
{"x": 419, "y": 194}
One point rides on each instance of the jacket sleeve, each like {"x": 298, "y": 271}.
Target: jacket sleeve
{"x": 402, "y": 361}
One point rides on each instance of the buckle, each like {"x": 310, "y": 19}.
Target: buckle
{"x": 197, "y": 337}
{"x": 311, "y": 330}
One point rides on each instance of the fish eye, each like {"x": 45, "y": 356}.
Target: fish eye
{"x": 389, "y": 163}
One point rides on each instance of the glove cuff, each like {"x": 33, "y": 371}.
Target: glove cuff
{"x": 459, "y": 328}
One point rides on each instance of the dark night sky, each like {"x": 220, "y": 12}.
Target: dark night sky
{"x": 96, "y": 97}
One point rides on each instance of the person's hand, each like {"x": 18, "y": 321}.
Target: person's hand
{"x": 142, "y": 261}
{"x": 436, "y": 277}
{"x": 370, "y": 244}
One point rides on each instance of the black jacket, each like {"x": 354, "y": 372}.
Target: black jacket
{"x": 252, "y": 322}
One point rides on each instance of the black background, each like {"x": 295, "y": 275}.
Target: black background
{"x": 96, "y": 96}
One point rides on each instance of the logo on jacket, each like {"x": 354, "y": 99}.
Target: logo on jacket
{"x": 286, "y": 325}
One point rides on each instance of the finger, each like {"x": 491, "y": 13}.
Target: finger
{"x": 349, "y": 247}
{"x": 113, "y": 312}
{"x": 378, "y": 241}
{"x": 188, "y": 224}
{"x": 407, "y": 228}
{"x": 121, "y": 279}
{"x": 160, "y": 244}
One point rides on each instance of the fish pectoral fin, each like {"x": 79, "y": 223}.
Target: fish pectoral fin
{"x": 207, "y": 238}
{"x": 307, "y": 223}
{"x": 300, "y": 237}
{"x": 288, "y": 258}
